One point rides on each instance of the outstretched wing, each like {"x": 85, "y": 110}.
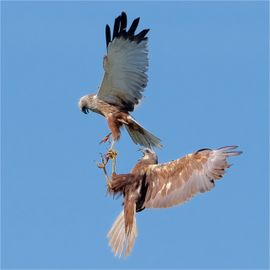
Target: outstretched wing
{"x": 177, "y": 181}
{"x": 125, "y": 65}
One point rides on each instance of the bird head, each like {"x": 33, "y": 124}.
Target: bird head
{"x": 86, "y": 103}
{"x": 149, "y": 154}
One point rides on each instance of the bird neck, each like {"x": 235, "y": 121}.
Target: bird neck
{"x": 142, "y": 165}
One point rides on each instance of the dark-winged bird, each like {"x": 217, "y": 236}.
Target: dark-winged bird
{"x": 125, "y": 78}
{"x": 152, "y": 185}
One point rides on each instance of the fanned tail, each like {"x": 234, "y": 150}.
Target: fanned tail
{"x": 120, "y": 241}
{"x": 141, "y": 136}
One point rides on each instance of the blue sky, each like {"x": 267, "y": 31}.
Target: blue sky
{"x": 208, "y": 87}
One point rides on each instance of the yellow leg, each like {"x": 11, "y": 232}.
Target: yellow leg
{"x": 102, "y": 165}
{"x": 112, "y": 154}
{"x": 114, "y": 165}
{"x": 108, "y": 180}
{"x": 112, "y": 145}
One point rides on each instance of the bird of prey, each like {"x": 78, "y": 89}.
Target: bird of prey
{"x": 125, "y": 78}
{"x": 153, "y": 185}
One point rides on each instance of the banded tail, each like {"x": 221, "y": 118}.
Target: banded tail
{"x": 141, "y": 136}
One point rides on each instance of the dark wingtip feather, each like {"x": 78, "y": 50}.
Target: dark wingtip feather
{"x": 141, "y": 36}
{"x": 133, "y": 27}
{"x": 108, "y": 34}
{"x": 119, "y": 30}
{"x": 123, "y": 21}
{"x": 116, "y": 27}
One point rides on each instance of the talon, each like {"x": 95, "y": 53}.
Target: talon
{"x": 111, "y": 154}
{"x": 101, "y": 165}
{"x": 106, "y": 139}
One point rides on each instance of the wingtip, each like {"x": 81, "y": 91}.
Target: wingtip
{"x": 107, "y": 34}
{"x": 235, "y": 153}
{"x": 123, "y": 13}
{"x": 120, "y": 29}
{"x": 230, "y": 147}
{"x": 229, "y": 150}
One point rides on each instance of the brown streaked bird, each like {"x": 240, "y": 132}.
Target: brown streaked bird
{"x": 125, "y": 78}
{"x": 152, "y": 185}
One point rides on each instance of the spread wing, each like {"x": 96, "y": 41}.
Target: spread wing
{"x": 177, "y": 181}
{"x": 125, "y": 65}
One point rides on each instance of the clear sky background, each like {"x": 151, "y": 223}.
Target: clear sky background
{"x": 208, "y": 87}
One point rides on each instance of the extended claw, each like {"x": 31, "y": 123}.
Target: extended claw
{"x": 111, "y": 154}
{"x": 104, "y": 161}
{"x": 102, "y": 165}
{"x": 106, "y": 139}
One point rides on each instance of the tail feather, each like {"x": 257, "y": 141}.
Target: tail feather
{"x": 141, "y": 136}
{"x": 131, "y": 238}
{"x": 122, "y": 242}
{"x": 116, "y": 235}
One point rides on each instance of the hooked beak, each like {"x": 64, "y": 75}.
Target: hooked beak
{"x": 85, "y": 110}
{"x": 143, "y": 150}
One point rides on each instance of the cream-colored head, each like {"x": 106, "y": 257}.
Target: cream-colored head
{"x": 149, "y": 154}
{"x": 87, "y": 103}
